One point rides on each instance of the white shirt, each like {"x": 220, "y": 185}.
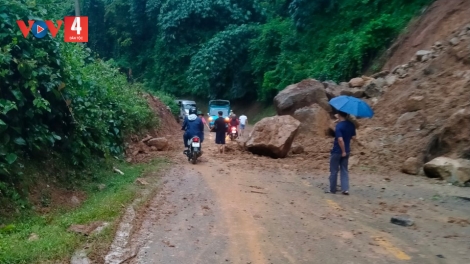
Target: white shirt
{"x": 243, "y": 119}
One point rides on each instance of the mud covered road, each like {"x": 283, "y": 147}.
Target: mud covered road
{"x": 240, "y": 209}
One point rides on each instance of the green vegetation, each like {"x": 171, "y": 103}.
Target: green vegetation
{"x": 54, "y": 242}
{"x": 265, "y": 112}
{"x": 57, "y": 100}
{"x": 244, "y": 49}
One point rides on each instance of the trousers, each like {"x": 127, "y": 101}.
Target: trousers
{"x": 339, "y": 164}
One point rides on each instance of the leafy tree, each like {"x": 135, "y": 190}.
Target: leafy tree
{"x": 217, "y": 68}
{"x": 55, "y": 97}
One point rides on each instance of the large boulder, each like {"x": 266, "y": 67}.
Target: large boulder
{"x": 273, "y": 136}
{"x": 304, "y": 93}
{"x": 455, "y": 171}
{"x": 453, "y": 140}
{"x": 374, "y": 88}
{"x": 159, "y": 143}
{"x": 313, "y": 120}
{"x": 356, "y": 82}
{"x": 354, "y": 92}
{"x": 332, "y": 89}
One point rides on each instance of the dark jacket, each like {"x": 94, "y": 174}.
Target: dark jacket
{"x": 193, "y": 126}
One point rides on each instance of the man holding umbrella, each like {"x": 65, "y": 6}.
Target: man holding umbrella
{"x": 345, "y": 130}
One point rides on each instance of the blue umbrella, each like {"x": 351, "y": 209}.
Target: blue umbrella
{"x": 352, "y": 106}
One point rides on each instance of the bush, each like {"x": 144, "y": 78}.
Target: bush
{"x": 56, "y": 97}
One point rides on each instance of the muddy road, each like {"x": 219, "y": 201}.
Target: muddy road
{"x": 238, "y": 208}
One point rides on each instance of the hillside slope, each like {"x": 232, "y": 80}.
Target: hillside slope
{"x": 425, "y": 114}
{"x": 437, "y": 22}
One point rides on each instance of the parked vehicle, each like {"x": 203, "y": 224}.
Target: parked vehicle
{"x": 184, "y": 105}
{"x": 214, "y": 107}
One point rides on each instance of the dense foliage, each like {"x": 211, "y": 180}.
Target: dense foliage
{"x": 245, "y": 49}
{"x": 57, "y": 98}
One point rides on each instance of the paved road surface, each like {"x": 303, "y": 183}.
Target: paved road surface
{"x": 240, "y": 209}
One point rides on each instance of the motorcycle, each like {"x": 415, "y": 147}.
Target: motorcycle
{"x": 233, "y": 133}
{"x": 194, "y": 150}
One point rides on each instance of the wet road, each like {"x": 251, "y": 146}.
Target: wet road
{"x": 223, "y": 211}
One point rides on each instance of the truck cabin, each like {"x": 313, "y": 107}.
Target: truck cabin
{"x": 214, "y": 107}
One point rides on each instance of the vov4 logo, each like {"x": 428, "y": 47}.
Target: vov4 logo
{"x": 75, "y": 28}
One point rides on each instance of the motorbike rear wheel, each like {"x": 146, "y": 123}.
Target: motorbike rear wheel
{"x": 194, "y": 159}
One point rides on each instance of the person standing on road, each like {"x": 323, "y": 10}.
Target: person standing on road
{"x": 201, "y": 116}
{"x": 220, "y": 130}
{"x": 243, "y": 122}
{"x": 344, "y": 132}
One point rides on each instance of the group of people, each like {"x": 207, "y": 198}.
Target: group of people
{"x": 194, "y": 123}
{"x": 345, "y": 131}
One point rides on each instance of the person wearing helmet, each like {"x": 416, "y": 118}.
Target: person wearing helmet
{"x": 193, "y": 126}
{"x": 201, "y": 116}
{"x": 233, "y": 123}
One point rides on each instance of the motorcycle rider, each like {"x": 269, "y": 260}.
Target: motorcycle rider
{"x": 193, "y": 126}
{"x": 233, "y": 123}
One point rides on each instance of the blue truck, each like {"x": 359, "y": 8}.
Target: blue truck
{"x": 214, "y": 107}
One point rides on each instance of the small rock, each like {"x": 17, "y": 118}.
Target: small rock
{"x": 415, "y": 103}
{"x": 390, "y": 80}
{"x": 141, "y": 181}
{"x": 74, "y": 200}
{"x": 374, "y": 101}
{"x": 101, "y": 187}
{"x": 381, "y": 74}
{"x": 33, "y": 237}
{"x": 297, "y": 149}
{"x": 411, "y": 166}
{"x": 454, "y": 41}
{"x": 438, "y": 44}
{"x": 422, "y": 54}
{"x": 402, "y": 220}
{"x": 147, "y": 138}
{"x": 80, "y": 257}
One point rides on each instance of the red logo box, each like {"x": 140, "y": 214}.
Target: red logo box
{"x": 76, "y": 29}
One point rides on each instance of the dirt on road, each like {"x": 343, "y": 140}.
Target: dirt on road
{"x": 241, "y": 208}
